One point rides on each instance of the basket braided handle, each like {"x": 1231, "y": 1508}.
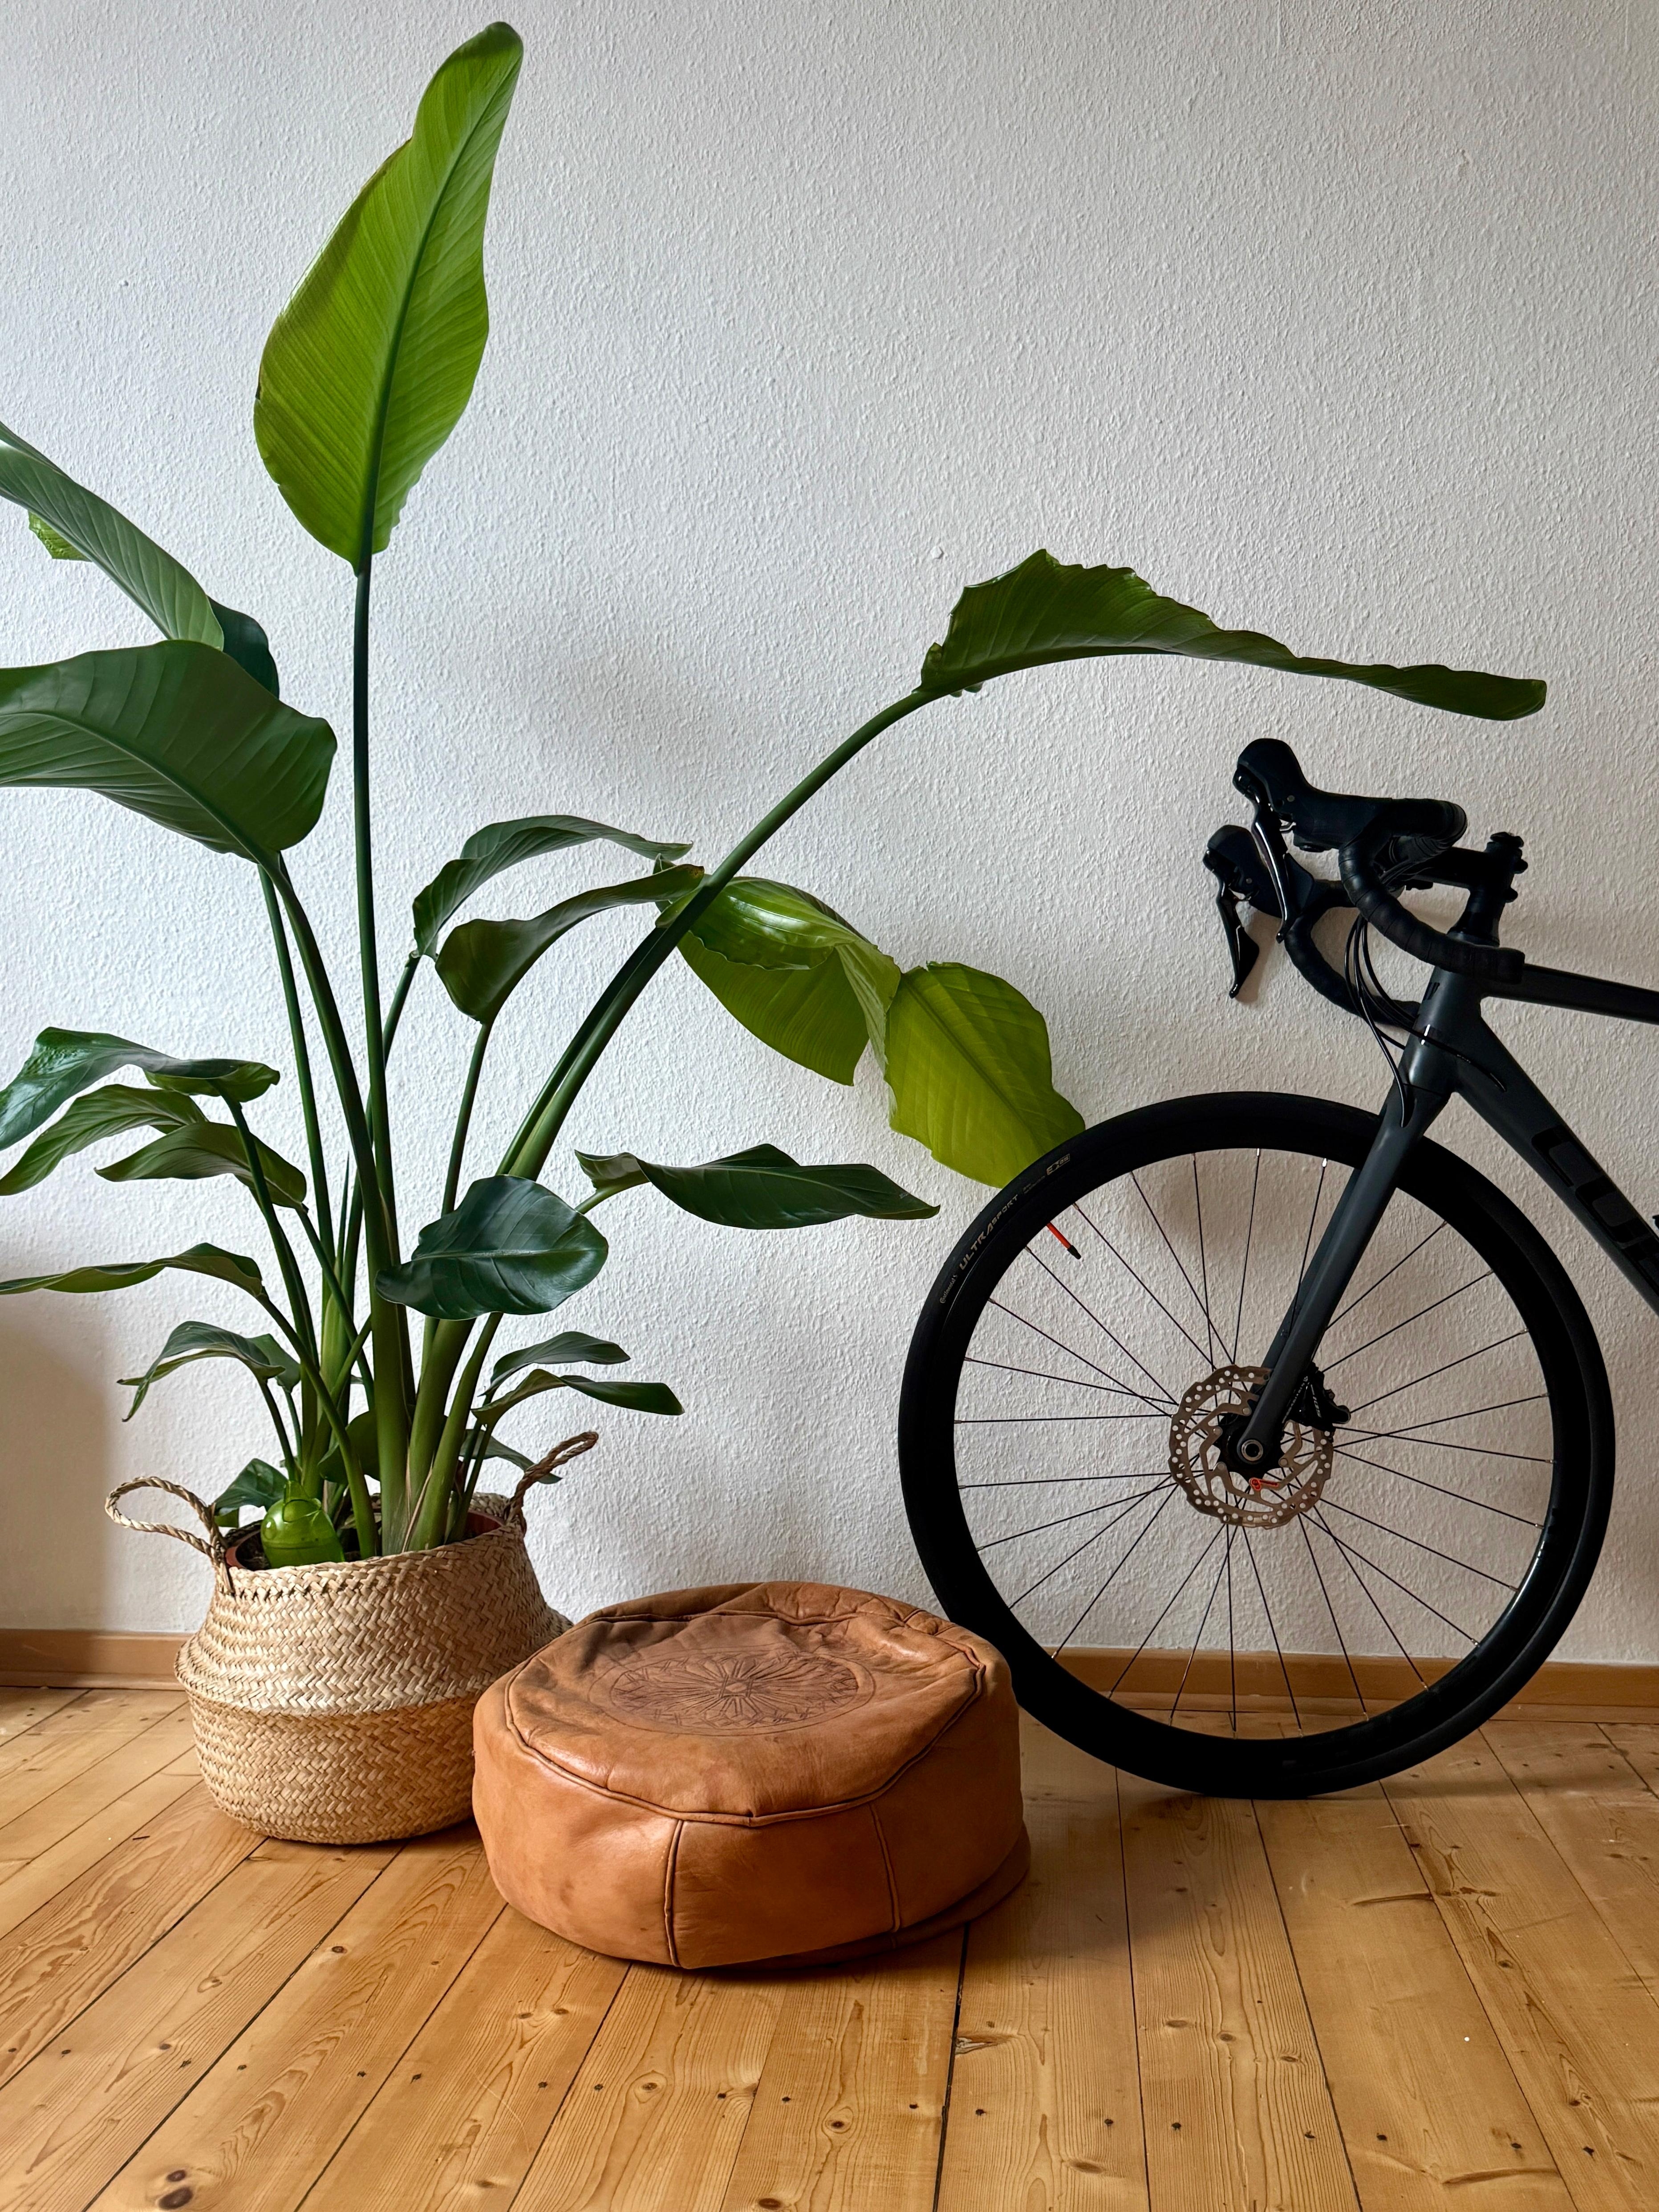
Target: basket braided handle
{"x": 572, "y": 1447}
{"x": 213, "y": 1549}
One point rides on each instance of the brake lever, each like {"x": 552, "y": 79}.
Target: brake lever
{"x": 1231, "y": 858}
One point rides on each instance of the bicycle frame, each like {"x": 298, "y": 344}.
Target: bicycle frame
{"x": 1451, "y": 1053}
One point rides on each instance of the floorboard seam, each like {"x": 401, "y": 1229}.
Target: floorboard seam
{"x": 575, "y": 2075}
{"x": 1302, "y": 1988}
{"x": 1134, "y": 2009}
{"x": 951, "y": 2066}
{"x": 300, "y": 2202}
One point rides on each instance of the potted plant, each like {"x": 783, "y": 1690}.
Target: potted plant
{"x": 349, "y": 1633}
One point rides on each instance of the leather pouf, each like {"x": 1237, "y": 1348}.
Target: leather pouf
{"x": 765, "y": 1771}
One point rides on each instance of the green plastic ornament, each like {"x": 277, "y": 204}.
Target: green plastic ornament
{"x": 297, "y": 1533}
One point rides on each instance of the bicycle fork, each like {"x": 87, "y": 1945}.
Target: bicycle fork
{"x": 1426, "y": 1078}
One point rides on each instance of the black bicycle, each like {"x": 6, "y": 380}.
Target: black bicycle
{"x": 1268, "y": 1440}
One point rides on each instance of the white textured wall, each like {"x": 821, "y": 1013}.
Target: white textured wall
{"x": 1339, "y": 321}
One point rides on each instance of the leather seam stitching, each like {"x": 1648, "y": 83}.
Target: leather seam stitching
{"x": 746, "y": 1819}
{"x": 887, "y": 1861}
{"x": 670, "y": 1870}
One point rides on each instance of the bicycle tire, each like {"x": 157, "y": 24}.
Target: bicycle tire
{"x": 1475, "y": 1685}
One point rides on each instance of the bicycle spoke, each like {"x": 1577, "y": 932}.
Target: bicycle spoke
{"x": 1180, "y": 1269}
{"x": 1434, "y": 1306}
{"x": 1107, "y": 1584}
{"x": 1415, "y": 1597}
{"x": 1203, "y": 1261}
{"x": 1125, "y": 1388}
{"x": 1002, "y": 1420}
{"x": 1101, "y": 1325}
{"x": 1423, "y": 1483}
{"x": 1084, "y": 1545}
{"x": 1027, "y": 1481}
{"x": 1461, "y": 1361}
{"x": 1232, "y": 1649}
{"x": 1302, "y": 1523}
{"x": 1164, "y": 1615}
{"x": 1202, "y": 1621}
{"x": 1249, "y": 1232}
{"x": 1401, "y": 1536}
{"x": 1250, "y": 1553}
{"x": 1320, "y": 1522}
{"x": 1083, "y": 1512}
{"x": 1040, "y": 1375}
{"x": 1143, "y": 1284}
{"x": 1441, "y": 1420}
{"x": 1383, "y": 1277}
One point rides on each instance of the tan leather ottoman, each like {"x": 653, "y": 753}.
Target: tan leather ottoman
{"x": 776, "y": 1770}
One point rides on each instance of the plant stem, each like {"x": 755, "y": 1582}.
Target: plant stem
{"x": 394, "y": 1012}
{"x": 463, "y": 1117}
{"x": 527, "y": 1154}
{"x": 431, "y": 1515}
{"x": 289, "y": 1460}
{"x": 292, "y": 1279}
{"x": 296, "y": 1029}
{"x": 335, "y": 1292}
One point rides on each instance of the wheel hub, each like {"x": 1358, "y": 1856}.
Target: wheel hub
{"x": 1203, "y": 1457}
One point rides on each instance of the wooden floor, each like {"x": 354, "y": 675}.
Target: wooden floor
{"x": 1442, "y": 1992}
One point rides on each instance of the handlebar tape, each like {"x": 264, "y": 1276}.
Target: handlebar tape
{"x": 1403, "y": 821}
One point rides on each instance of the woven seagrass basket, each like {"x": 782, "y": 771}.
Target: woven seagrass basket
{"x": 333, "y": 1704}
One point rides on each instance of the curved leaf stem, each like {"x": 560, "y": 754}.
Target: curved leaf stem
{"x": 463, "y": 1117}
{"x": 394, "y": 1012}
{"x": 338, "y": 1293}
{"x": 292, "y": 1280}
{"x": 527, "y": 1153}
{"x": 289, "y": 1459}
{"x": 296, "y": 1029}
{"x": 363, "y": 1508}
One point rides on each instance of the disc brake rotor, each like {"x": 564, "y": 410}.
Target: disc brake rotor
{"x": 1244, "y": 1501}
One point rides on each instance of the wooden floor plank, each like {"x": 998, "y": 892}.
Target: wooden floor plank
{"x": 1601, "y": 1816}
{"x": 654, "y": 2120}
{"x": 25, "y": 1888}
{"x": 848, "y": 2111}
{"x": 67, "y": 1952}
{"x": 462, "y": 2116}
{"x": 1045, "y": 2100}
{"x": 20, "y": 1709}
{"x": 126, "y": 1761}
{"x": 1427, "y": 2102}
{"x": 98, "y": 2090}
{"x": 256, "y": 2130}
{"x": 44, "y": 1760}
{"x": 1579, "y": 2028}
{"x": 94, "y": 1711}
{"x": 1236, "y": 2111}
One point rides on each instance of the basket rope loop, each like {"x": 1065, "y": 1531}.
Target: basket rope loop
{"x": 213, "y": 1549}
{"x": 572, "y": 1447}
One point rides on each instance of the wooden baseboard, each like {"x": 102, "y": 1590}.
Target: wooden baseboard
{"x": 100, "y": 1659}
{"x": 1257, "y": 1681}
{"x": 85, "y": 1659}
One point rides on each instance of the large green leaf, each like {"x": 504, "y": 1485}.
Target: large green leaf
{"x": 209, "y": 1148}
{"x": 369, "y": 366}
{"x": 65, "y": 1061}
{"x": 571, "y": 1345}
{"x": 482, "y": 962}
{"x": 509, "y": 1246}
{"x": 636, "y": 1397}
{"x": 761, "y": 1189}
{"x": 94, "y": 531}
{"x": 248, "y": 647}
{"x": 122, "y": 1275}
{"x": 794, "y": 973}
{"x": 968, "y": 1066}
{"x": 502, "y": 845}
{"x": 259, "y": 1483}
{"x": 263, "y": 1357}
{"x": 1044, "y": 610}
{"x": 108, "y": 1113}
{"x": 177, "y": 733}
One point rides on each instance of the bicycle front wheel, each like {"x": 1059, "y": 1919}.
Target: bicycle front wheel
{"x": 1442, "y": 1486}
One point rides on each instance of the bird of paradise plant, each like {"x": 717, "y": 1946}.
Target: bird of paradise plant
{"x": 379, "y": 1439}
